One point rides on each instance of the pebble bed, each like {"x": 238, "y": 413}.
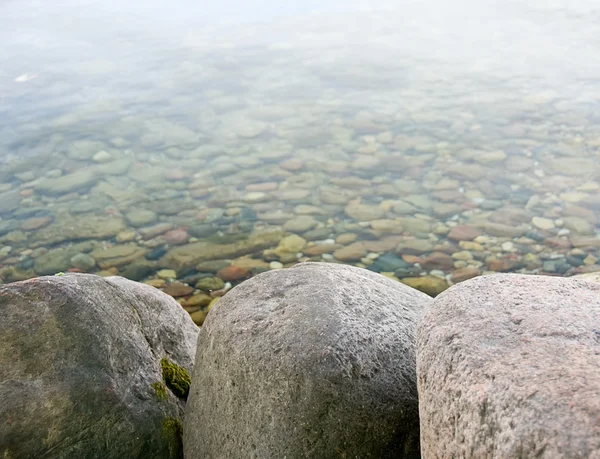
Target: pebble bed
{"x": 418, "y": 180}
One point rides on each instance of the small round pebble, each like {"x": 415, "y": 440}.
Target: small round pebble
{"x": 233, "y": 273}
{"x": 126, "y": 236}
{"x": 209, "y": 284}
{"x": 102, "y": 156}
{"x": 542, "y": 223}
{"x": 176, "y": 237}
{"x": 167, "y": 274}
{"x": 83, "y": 261}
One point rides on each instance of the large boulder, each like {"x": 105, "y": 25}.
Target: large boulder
{"x": 313, "y": 361}
{"x": 92, "y": 367}
{"x": 508, "y": 367}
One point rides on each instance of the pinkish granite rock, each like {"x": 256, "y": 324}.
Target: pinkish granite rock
{"x": 507, "y": 366}
{"x": 437, "y": 260}
{"x": 464, "y": 233}
{"x": 177, "y": 236}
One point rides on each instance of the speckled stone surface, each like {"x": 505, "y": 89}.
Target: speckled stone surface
{"x": 313, "y": 361}
{"x": 508, "y": 367}
{"x": 80, "y": 370}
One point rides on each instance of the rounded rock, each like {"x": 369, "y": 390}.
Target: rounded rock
{"x": 209, "y": 284}
{"x": 167, "y": 274}
{"x": 83, "y": 261}
{"x": 364, "y": 212}
{"x": 346, "y": 238}
{"x": 300, "y": 224}
{"x": 176, "y": 237}
{"x": 255, "y": 196}
{"x": 542, "y": 223}
{"x": 86, "y": 365}
{"x": 102, "y": 157}
{"x": 431, "y": 285}
{"x": 508, "y": 367}
{"x": 140, "y": 217}
{"x": 233, "y": 273}
{"x": 352, "y": 252}
{"x": 324, "y": 346}
{"x": 178, "y": 289}
{"x": 464, "y": 233}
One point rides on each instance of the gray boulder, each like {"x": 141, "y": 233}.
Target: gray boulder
{"x": 317, "y": 361}
{"x": 508, "y": 367}
{"x": 92, "y": 367}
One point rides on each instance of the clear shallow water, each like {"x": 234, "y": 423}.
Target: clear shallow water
{"x": 367, "y": 131}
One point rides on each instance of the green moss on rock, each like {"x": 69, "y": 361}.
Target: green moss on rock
{"x": 172, "y": 432}
{"x": 176, "y": 378}
{"x": 160, "y": 390}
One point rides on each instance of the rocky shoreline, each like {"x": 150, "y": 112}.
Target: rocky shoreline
{"x": 318, "y": 360}
{"x": 438, "y": 225}
{"x": 150, "y": 179}
{"x": 432, "y": 190}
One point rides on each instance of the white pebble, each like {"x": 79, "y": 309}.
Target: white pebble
{"x": 102, "y": 156}
{"x": 508, "y": 246}
{"x": 275, "y": 265}
{"x": 255, "y": 196}
{"x": 325, "y": 241}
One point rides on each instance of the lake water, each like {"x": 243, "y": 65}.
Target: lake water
{"x": 426, "y": 141}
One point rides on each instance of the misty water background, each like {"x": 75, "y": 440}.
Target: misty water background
{"x": 102, "y": 60}
{"x": 222, "y": 90}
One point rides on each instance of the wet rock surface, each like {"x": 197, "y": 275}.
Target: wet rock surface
{"x": 81, "y": 372}
{"x": 398, "y": 168}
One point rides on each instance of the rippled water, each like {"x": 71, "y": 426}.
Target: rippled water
{"x": 426, "y": 141}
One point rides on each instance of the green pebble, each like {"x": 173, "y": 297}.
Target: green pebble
{"x": 210, "y": 283}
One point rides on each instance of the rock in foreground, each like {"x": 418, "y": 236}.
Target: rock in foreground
{"x": 90, "y": 368}
{"x": 508, "y": 367}
{"x": 313, "y": 361}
